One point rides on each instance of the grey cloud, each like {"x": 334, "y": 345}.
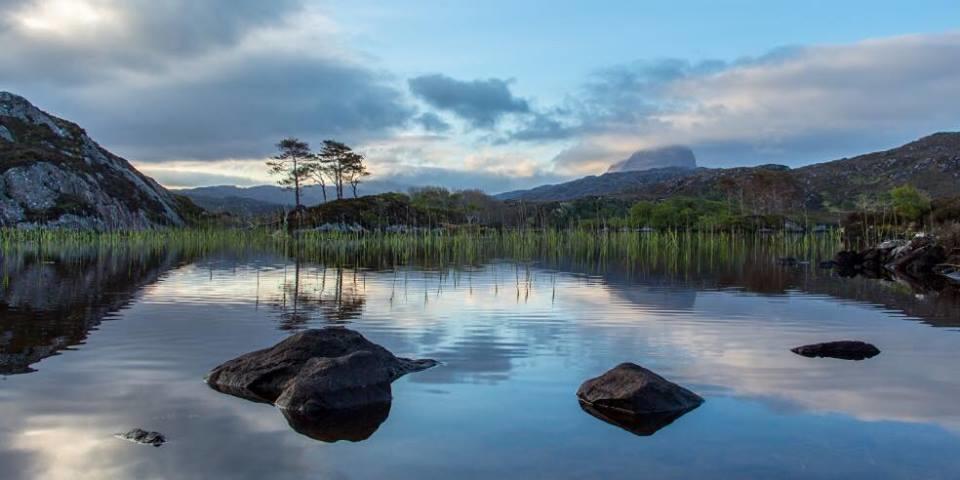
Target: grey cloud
{"x": 152, "y": 35}
{"x": 541, "y": 127}
{"x": 462, "y": 180}
{"x": 246, "y": 108}
{"x": 236, "y": 105}
{"x": 480, "y": 102}
{"x": 432, "y": 122}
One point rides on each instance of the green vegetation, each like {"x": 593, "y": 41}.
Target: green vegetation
{"x": 669, "y": 251}
{"x": 683, "y": 213}
{"x": 909, "y": 203}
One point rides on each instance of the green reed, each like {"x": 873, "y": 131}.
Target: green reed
{"x": 671, "y": 250}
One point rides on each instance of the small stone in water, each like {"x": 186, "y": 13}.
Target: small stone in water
{"x": 143, "y": 437}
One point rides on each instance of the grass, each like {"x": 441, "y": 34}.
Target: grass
{"x": 676, "y": 251}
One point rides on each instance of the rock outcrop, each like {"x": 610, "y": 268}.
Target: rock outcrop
{"x": 916, "y": 258}
{"x": 844, "y": 350}
{"x": 53, "y": 175}
{"x": 636, "y": 399}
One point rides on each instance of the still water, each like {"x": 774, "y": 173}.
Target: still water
{"x": 103, "y": 342}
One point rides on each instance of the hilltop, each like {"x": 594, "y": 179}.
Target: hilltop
{"x": 53, "y": 175}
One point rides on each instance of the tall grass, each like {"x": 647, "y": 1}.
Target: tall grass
{"x": 672, "y": 250}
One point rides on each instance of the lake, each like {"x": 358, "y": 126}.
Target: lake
{"x": 96, "y": 341}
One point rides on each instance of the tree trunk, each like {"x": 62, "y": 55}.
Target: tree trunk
{"x": 296, "y": 183}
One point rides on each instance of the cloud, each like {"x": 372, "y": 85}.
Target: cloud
{"x": 480, "y": 102}
{"x": 794, "y": 105}
{"x": 183, "y": 80}
{"x": 432, "y": 122}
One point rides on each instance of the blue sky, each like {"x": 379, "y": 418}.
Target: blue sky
{"x": 493, "y": 94}
{"x": 549, "y": 46}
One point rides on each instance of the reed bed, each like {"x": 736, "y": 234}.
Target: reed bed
{"x": 676, "y": 251}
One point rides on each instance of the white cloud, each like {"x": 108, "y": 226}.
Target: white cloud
{"x": 793, "y": 106}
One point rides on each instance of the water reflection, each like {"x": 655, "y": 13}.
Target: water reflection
{"x": 318, "y": 293}
{"x": 50, "y": 302}
{"x": 640, "y": 425}
{"x": 334, "y": 426}
{"x": 516, "y": 340}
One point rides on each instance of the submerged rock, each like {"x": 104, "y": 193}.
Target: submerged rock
{"x": 318, "y": 377}
{"x": 845, "y": 350}
{"x": 636, "y": 399}
{"x": 143, "y": 437}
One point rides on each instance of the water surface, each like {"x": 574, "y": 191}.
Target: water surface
{"x": 99, "y": 342}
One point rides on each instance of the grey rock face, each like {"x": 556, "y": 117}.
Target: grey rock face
{"x": 664, "y": 157}
{"x": 315, "y": 371}
{"x": 17, "y": 107}
{"x": 53, "y": 175}
{"x": 844, "y": 349}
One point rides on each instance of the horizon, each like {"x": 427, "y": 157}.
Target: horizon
{"x": 542, "y": 97}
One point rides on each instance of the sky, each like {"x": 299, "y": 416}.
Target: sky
{"x": 495, "y": 95}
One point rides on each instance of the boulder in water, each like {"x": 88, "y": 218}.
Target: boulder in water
{"x": 263, "y": 375}
{"x": 636, "y": 399}
{"x": 845, "y": 350}
{"x": 332, "y": 383}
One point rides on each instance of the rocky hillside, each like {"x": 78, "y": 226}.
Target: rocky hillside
{"x": 598, "y": 185}
{"x": 53, "y": 175}
{"x": 932, "y": 164}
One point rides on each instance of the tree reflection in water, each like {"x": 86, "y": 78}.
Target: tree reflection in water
{"x": 331, "y": 295}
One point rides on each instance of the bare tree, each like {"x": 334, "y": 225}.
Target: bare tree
{"x": 293, "y": 163}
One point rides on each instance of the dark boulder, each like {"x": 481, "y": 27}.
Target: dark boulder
{"x": 351, "y": 381}
{"x": 263, "y": 375}
{"x": 143, "y": 437}
{"x": 847, "y": 259}
{"x": 332, "y": 383}
{"x": 920, "y": 260}
{"x": 846, "y": 350}
{"x": 636, "y": 399}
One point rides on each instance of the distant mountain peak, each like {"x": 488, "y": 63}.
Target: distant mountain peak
{"x": 678, "y": 156}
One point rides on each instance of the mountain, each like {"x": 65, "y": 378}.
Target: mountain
{"x": 267, "y": 198}
{"x": 597, "y": 186}
{"x": 53, "y": 175}
{"x": 677, "y": 156}
{"x": 931, "y": 164}
{"x": 240, "y": 206}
